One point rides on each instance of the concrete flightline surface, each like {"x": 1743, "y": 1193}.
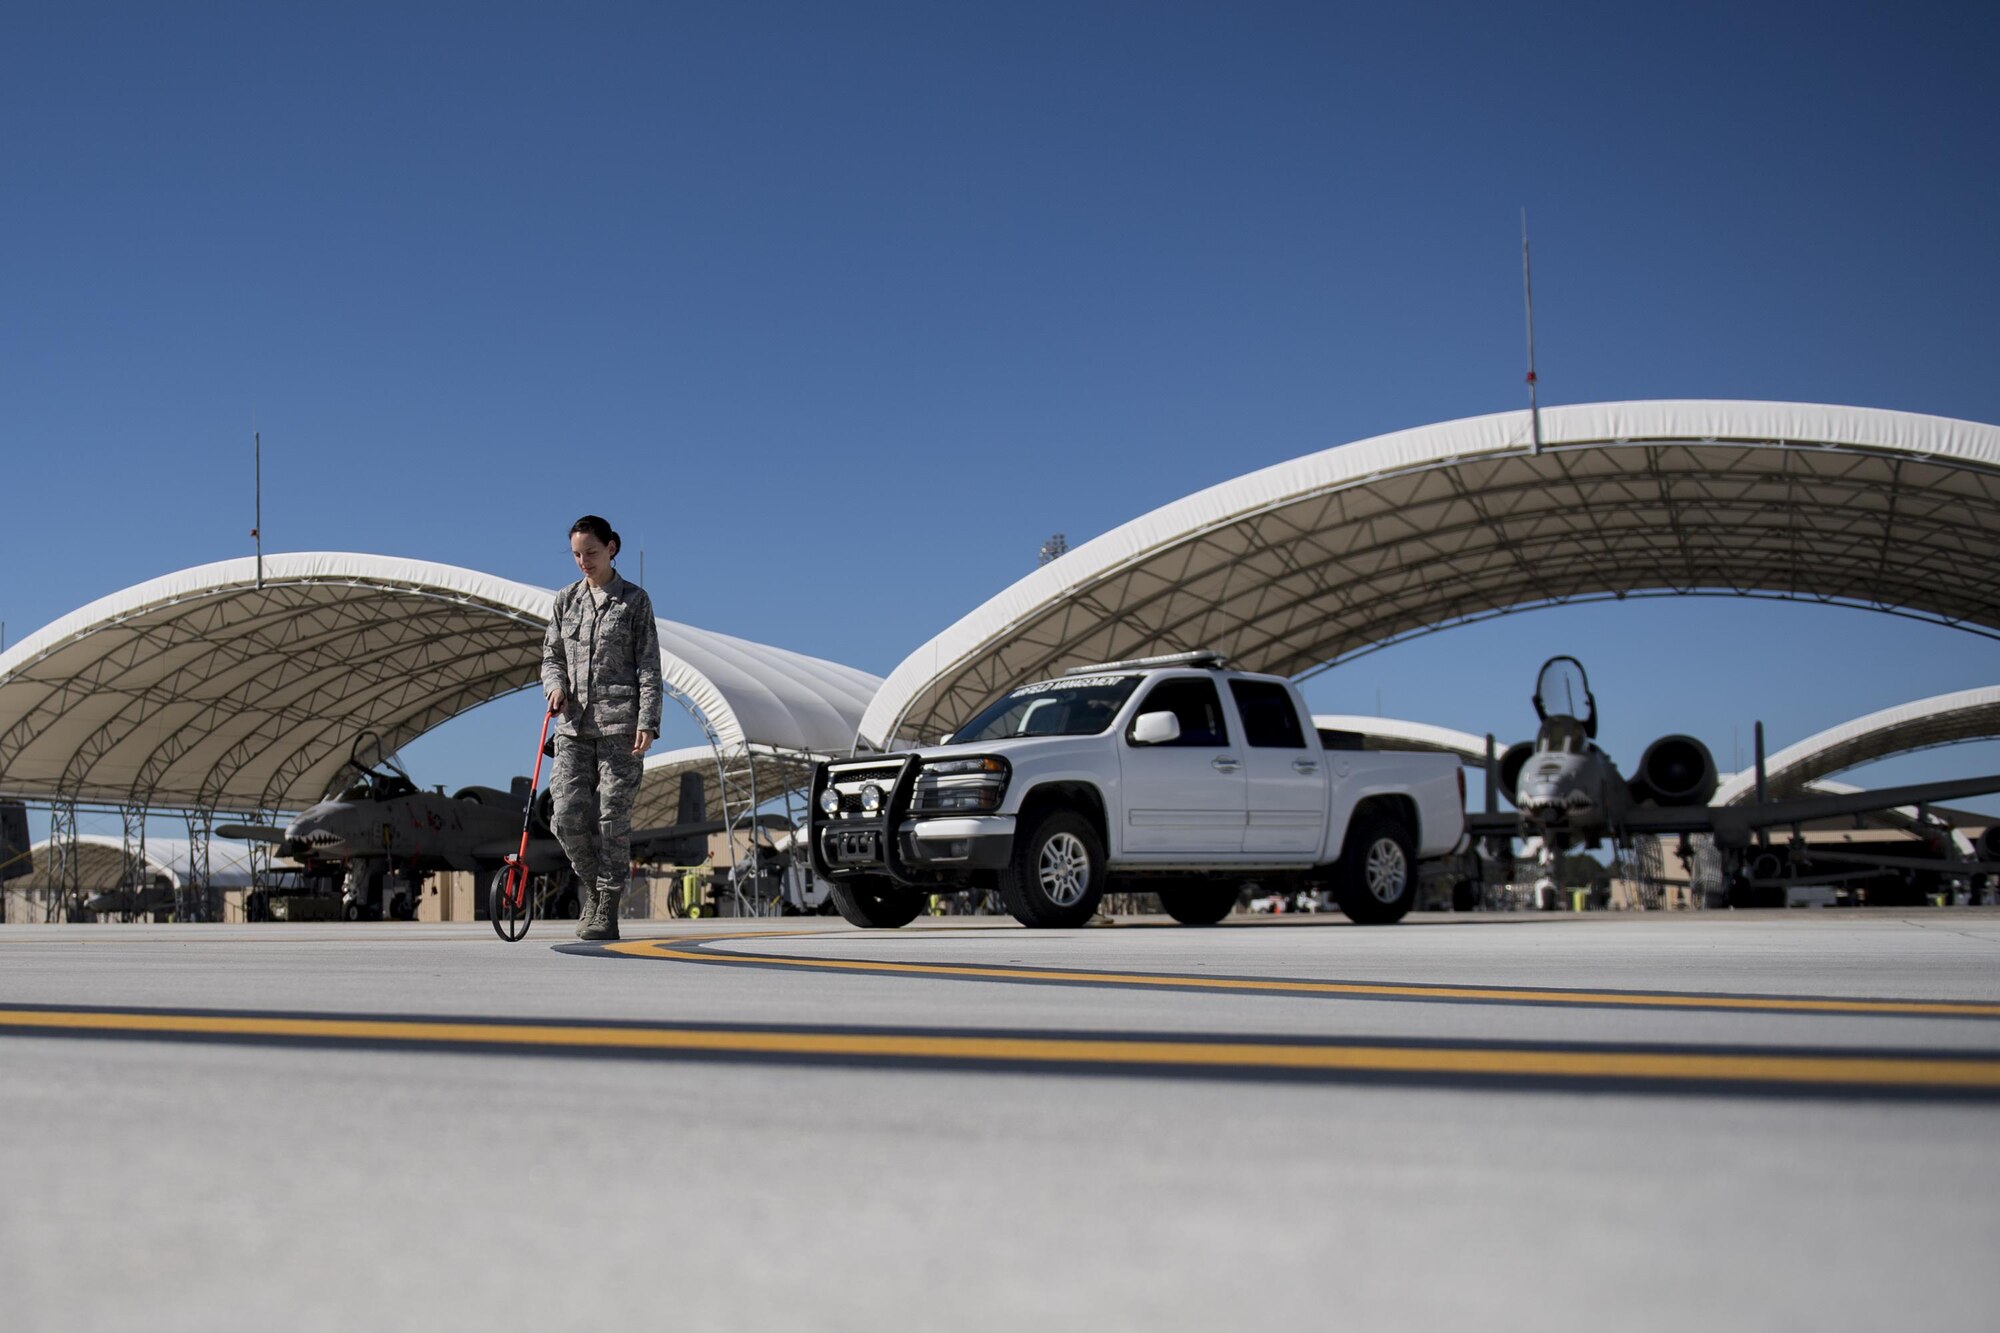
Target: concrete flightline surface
{"x": 1747, "y": 1119}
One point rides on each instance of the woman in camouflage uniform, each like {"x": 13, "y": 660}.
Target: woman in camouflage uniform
{"x": 601, "y": 673}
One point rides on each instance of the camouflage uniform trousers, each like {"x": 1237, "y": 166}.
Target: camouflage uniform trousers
{"x": 593, "y": 784}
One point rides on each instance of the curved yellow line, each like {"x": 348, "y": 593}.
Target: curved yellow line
{"x": 678, "y": 951}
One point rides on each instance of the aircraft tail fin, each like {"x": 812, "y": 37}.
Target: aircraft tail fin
{"x": 694, "y": 802}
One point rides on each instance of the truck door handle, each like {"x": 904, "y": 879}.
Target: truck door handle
{"x": 1306, "y": 765}
{"x": 1223, "y": 763}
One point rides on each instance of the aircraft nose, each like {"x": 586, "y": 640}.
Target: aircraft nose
{"x": 312, "y": 833}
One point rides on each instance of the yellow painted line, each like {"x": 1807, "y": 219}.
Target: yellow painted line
{"x": 675, "y": 950}
{"x": 1870, "y": 1070}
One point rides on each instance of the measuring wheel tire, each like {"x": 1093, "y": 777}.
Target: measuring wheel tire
{"x": 1056, "y": 876}
{"x": 875, "y": 904}
{"x": 511, "y": 914}
{"x": 1198, "y": 904}
{"x": 1376, "y": 876}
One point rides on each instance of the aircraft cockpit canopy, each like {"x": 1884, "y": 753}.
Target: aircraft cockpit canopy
{"x": 374, "y": 786}
{"x": 1563, "y": 691}
{"x": 378, "y": 774}
{"x": 1562, "y": 735}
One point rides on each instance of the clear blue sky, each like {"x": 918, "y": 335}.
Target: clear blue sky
{"x": 746, "y": 276}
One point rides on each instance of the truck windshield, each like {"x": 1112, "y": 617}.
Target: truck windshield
{"x": 1074, "y": 706}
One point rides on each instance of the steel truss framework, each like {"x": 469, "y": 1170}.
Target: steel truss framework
{"x": 250, "y": 699}
{"x": 65, "y": 900}
{"x": 61, "y": 889}
{"x": 1306, "y": 565}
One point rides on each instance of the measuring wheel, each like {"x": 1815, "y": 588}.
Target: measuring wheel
{"x": 509, "y": 902}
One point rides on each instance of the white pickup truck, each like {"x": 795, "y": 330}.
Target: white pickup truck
{"x": 1167, "y": 775}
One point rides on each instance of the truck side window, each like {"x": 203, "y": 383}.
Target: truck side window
{"x": 1194, "y": 701}
{"x": 1269, "y": 720}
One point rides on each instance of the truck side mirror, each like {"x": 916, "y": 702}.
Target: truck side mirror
{"x": 1156, "y": 729}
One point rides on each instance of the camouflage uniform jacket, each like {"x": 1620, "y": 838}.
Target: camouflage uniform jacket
{"x": 605, "y": 661}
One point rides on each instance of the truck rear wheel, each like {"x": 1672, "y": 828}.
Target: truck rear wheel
{"x": 1198, "y": 904}
{"x": 1056, "y": 876}
{"x": 875, "y": 904}
{"x": 1375, "y": 880}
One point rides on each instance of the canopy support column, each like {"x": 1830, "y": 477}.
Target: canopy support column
{"x": 192, "y": 898}
{"x": 65, "y": 901}
{"x": 133, "y": 878}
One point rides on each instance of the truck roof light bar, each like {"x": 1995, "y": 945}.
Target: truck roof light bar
{"x": 1205, "y": 658}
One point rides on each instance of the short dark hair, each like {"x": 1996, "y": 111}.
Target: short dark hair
{"x": 597, "y": 528}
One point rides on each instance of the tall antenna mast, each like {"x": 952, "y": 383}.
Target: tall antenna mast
{"x": 1528, "y": 295}
{"x": 258, "y": 531}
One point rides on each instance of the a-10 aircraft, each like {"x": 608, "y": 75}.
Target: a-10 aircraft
{"x": 1567, "y": 792}
{"x": 381, "y": 835}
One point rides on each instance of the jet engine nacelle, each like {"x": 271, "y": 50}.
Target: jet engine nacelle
{"x": 1989, "y": 843}
{"x": 1511, "y": 763}
{"x": 1675, "y": 770}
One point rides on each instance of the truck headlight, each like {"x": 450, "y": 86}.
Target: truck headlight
{"x": 829, "y": 801}
{"x": 943, "y": 785}
{"x": 953, "y": 767}
{"x": 871, "y": 799}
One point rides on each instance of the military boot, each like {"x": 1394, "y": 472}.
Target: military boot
{"x": 588, "y": 912}
{"x": 603, "y": 926}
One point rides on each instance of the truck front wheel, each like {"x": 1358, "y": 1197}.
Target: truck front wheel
{"x": 875, "y": 906}
{"x": 1375, "y": 879}
{"x": 1056, "y": 875}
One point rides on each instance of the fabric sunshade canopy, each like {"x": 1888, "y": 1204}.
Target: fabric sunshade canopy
{"x": 204, "y": 690}
{"x": 1315, "y": 561}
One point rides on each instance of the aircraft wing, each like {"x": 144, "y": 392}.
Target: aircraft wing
{"x": 647, "y": 843}
{"x": 1733, "y": 824}
{"x": 680, "y": 844}
{"x": 687, "y": 843}
{"x": 540, "y": 851}
{"x": 1804, "y": 809}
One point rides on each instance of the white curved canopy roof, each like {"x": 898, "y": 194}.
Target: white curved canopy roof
{"x": 202, "y": 689}
{"x": 1922, "y": 724}
{"x": 1317, "y": 560}
{"x": 1389, "y": 733}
